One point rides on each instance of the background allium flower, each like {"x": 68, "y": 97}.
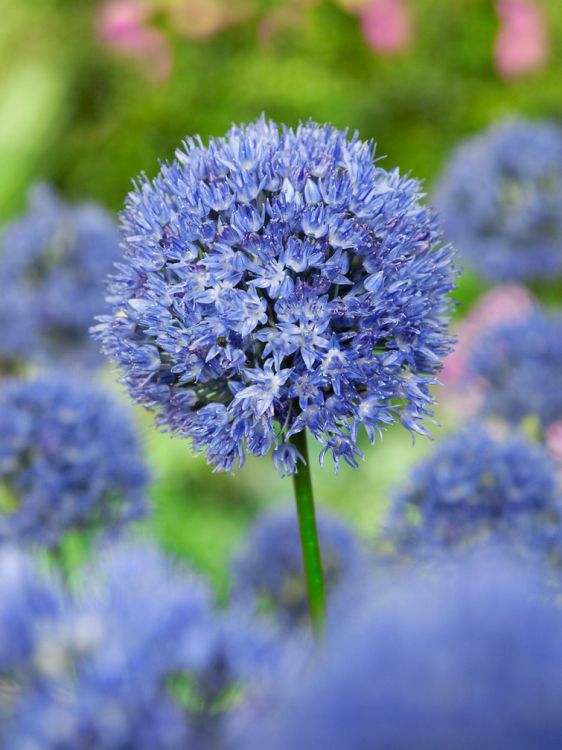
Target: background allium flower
{"x": 277, "y": 280}
{"x": 500, "y": 200}
{"x": 520, "y": 368}
{"x": 29, "y": 607}
{"x": 475, "y": 647}
{"x": 522, "y": 43}
{"x": 502, "y": 304}
{"x": 474, "y": 486}
{"x": 268, "y": 570}
{"x": 28, "y": 604}
{"x": 125, "y": 665}
{"x": 53, "y": 263}
{"x": 69, "y": 460}
{"x": 386, "y": 25}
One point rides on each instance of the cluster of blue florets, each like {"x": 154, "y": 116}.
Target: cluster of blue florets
{"x": 54, "y": 260}
{"x": 69, "y": 460}
{"x": 474, "y": 486}
{"x": 500, "y": 199}
{"x": 278, "y": 280}
{"x": 268, "y": 570}
{"x": 466, "y": 658}
{"x": 519, "y": 366}
{"x": 139, "y": 660}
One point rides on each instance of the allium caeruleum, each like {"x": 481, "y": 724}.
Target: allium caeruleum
{"x": 69, "y": 460}
{"x": 467, "y": 658}
{"x": 500, "y": 199}
{"x": 30, "y": 606}
{"x": 274, "y": 280}
{"x": 53, "y": 263}
{"x": 474, "y": 486}
{"x": 126, "y": 665}
{"x": 28, "y": 603}
{"x": 268, "y": 570}
{"x": 519, "y": 367}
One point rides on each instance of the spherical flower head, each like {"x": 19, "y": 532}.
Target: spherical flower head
{"x": 474, "y": 647}
{"x": 126, "y": 664}
{"x": 277, "y": 280}
{"x": 69, "y": 461}
{"x": 475, "y": 486}
{"x": 500, "y": 198}
{"x": 53, "y": 264}
{"x": 268, "y": 570}
{"x": 519, "y": 368}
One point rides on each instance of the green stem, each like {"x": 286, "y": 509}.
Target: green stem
{"x": 309, "y": 537}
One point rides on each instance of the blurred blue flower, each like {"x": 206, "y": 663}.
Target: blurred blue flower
{"x": 274, "y": 280}
{"x": 137, "y": 661}
{"x": 69, "y": 460}
{"x": 500, "y": 199}
{"x": 53, "y": 263}
{"x": 28, "y": 604}
{"x": 519, "y": 367}
{"x": 474, "y": 486}
{"x": 467, "y": 658}
{"x": 268, "y": 570}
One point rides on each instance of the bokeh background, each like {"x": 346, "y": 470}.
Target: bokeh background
{"x": 92, "y": 94}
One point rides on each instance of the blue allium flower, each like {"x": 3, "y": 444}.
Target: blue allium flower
{"x": 137, "y": 661}
{"x": 28, "y": 604}
{"x": 274, "y": 280}
{"x": 69, "y": 460}
{"x": 500, "y": 199}
{"x": 268, "y": 570}
{"x": 53, "y": 263}
{"x": 104, "y": 670}
{"x": 470, "y": 658}
{"x": 519, "y": 366}
{"x": 474, "y": 486}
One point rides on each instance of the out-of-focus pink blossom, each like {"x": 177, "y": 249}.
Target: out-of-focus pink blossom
{"x": 202, "y": 19}
{"x": 553, "y": 438}
{"x": 500, "y": 305}
{"x": 124, "y": 26}
{"x": 386, "y": 25}
{"x": 522, "y": 44}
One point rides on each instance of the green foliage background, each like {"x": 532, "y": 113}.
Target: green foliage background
{"x": 77, "y": 116}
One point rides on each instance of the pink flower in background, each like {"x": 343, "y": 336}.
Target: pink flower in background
{"x": 386, "y": 25}
{"x": 554, "y": 440}
{"x": 124, "y": 26}
{"x": 500, "y": 305}
{"x": 521, "y": 45}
